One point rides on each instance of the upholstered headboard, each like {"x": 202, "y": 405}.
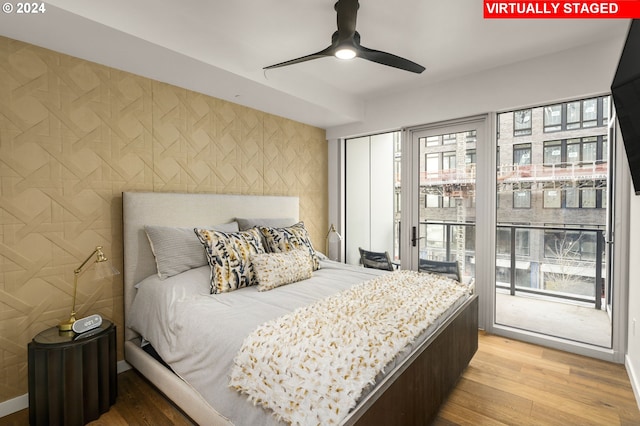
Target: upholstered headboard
{"x": 184, "y": 210}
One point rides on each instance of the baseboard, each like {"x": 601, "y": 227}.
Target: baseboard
{"x": 123, "y": 366}
{"x": 12, "y": 405}
{"x": 633, "y": 378}
{"x": 21, "y": 402}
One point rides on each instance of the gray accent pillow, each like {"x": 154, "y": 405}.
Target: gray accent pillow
{"x": 178, "y": 249}
{"x": 281, "y": 222}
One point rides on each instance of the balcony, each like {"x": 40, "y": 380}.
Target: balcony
{"x": 549, "y": 279}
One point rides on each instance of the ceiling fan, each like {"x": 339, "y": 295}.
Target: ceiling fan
{"x": 345, "y": 43}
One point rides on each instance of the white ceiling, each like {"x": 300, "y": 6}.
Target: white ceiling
{"x": 220, "y": 47}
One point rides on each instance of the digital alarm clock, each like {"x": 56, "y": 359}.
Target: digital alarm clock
{"x": 88, "y": 323}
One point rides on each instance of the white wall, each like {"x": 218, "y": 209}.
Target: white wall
{"x": 632, "y": 360}
{"x": 369, "y": 195}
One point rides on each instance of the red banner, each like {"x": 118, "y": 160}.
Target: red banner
{"x": 517, "y": 9}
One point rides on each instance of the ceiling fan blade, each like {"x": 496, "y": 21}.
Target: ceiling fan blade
{"x": 347, "y": 11}
{"x": 321, "y": 54}
{"x": 389, "y": 59}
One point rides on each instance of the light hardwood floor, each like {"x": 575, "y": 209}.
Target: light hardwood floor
{"x": 507, "y": 382}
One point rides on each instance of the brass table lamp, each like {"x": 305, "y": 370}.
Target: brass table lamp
{"x": 103, "y": 269}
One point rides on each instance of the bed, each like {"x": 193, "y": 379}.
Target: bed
{"x": 409, "y": 392}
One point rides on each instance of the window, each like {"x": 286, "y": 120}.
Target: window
{"x": 552, "y": 198}
{"x": 432, "y": 200}
{"x": 522, "y": 199}
{"x": 431, "y": 141}
{"x": 448, "y": 201}
{"x": 589, "y": 150}
{"x": 449, "y": 139}
{"x": 572, "y": 198}
{"x": 573, "y": 151}
{"x": 552, "y": 152}
{"x": 582, "y": 114}
{"x": 570, "y": 245}
{"x": 583, "y": 151}
{"x": 471, "y": 136}
{"x": 553, "y": 118}
{"x": 449, "y": 160}
{"x": 590, "y": 112}
{"x": 522, "y": 154}
{"x": 503, "y": 241}
{"x": 588, "y": 198}
{"x": 432, "y": 164}
{"x": 470, "y": 157}
{"x": 573, "y": 115}
{"x": 435, "y": 236}
{"x": 522, "y": 122}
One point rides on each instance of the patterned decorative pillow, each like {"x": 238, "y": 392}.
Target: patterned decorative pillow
{"x": 229, "y": 255}
{"x": 276, "y": 269}
{"x": 177, "y": 250}
{"x": 278, "y": 240}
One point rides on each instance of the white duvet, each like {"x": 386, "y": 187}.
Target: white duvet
{"x": 199, "y": 334}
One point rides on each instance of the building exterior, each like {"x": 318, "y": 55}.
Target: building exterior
{"x": 552, "y": 179}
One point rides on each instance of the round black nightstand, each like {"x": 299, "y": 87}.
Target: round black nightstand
{"x": 72, "y": 377}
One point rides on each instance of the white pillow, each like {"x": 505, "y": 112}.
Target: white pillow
{"x": 178, "y": 249}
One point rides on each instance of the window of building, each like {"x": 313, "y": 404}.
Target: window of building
{"x": 586, "y": 113}
{"x": 522, "y": 154}
{"x": 471, "y": 136}
{"x": 432, "y": 200}
{"x": 522, "y": 199}
{"x": 435, "y": 236}
{"x": 503, "y": 241}
{"x": 573, "y": 115}
{"x": 573, "y": 151}
{"x": 552, "y": 152}
{"x": 589, "y": 150}
{"x": 588, "y": 200}
{"x": 570, "y": 245}
{"x": 522, "y": 122}
{"x": 432, "y": 163}
{"x": 470, "y": 157}
{"x": 552, "y": 118}
{"x": 552, "y": 198}
{"x": 590, "y": 112}
{"x": 449, "y": 160}
{"x": 431, "y": 141}
{"x": 448, "y": 201}
{"x": 572, "y": 198}
{"x": 449, "y": 139}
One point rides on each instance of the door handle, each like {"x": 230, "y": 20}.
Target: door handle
{"x": 414, "y": 236}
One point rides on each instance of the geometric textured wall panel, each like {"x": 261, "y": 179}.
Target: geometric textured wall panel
{"x": 74, "y": 135}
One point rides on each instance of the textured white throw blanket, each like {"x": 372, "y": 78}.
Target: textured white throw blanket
{"x": 310, "y": 366}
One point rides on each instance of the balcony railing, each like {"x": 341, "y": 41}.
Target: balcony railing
{"x": 564, "y": 262}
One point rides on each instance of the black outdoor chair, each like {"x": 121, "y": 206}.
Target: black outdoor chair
{"x": 376, "y": 260}
{"x": 448, "y": 269}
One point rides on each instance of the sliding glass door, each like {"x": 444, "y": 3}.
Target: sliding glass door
{"x": 444, "y": 193}
{"x": 552, "y": 215}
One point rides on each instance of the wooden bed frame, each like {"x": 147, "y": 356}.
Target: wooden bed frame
{"x": 410, "y": 394}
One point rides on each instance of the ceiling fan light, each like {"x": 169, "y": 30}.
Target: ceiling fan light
{"x": 345, "y": 53}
